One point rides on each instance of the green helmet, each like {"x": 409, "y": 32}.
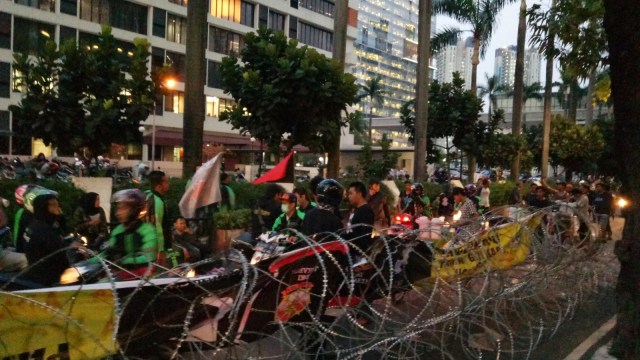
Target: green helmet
{"x": 33, "y": 194}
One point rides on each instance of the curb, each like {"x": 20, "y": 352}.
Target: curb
{"x": 599, "y": 338}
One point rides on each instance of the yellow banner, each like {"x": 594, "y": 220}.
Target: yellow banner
{"x": 499, "y": 248}
{"x": 57, "y": 325}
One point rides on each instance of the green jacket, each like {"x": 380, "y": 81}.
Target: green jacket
{"x": 156, "y": 216}
{"x": 16, "y": 225}
{"x": 295, "y": 222}
{"x": 136, "y": 247}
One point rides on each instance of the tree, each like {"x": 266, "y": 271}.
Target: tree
{"x": 193, "y": 119}
{"x": 453, "y": 112}
{"x": 357, "y": 126}
{"x": 490, "y": 90}
{"x": 575, "y": 147}
{"x": 340, "y": 25}
{"x": 282, "y": 88}
{"x": 623, "y": 33}
{"x": 532, "y": 91}
{"x": 377, "y": 168}
{"x": 481, "y": 17}
{"x": 84, "y": 97}
{"x": 374, "y": 91}
{"x": 422, "y": 89}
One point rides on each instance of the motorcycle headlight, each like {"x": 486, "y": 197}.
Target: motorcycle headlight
{"x": 70, "y": 276}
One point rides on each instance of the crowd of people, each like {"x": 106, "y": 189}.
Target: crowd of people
{"x": 143, "y": 235}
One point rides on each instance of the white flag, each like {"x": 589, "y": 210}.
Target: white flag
{"x": 204, "y": 188}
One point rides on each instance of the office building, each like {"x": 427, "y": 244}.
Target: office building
{"x": 505, "y": 66}
{"x": 455, "y": 57}
{"x": 27, "y": 24}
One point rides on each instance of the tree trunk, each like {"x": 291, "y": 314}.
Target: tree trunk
{"x": 475, "y": 60}
{"x": 590, "y": 90}
{"x": 422, "y": 90}
{"x": 371, "y": 123}
{"x": 339, "y": 53}
{"x": 518, "y": 87}
{"x": 573, "y": 100}
{"x": 193, "y": 120}
{"x": 548, "y": 100}
{"x": 623, "y": 32}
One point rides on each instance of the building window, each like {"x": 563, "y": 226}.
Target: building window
{"x": 323, "y": 7}
{"x": 159, "y": 22}
{"x": 271, "y": 19}
{"x": 213, "y": 75}
{"x": 5, "y": 131}
{"x": 316, "y": 37}
{"x": 177, "y": 29}
{"x": 5, "y": 30}
{"x": 117, "y": 13}
{"x": 69, "y": 7}
{"x": 246, "y": 13}
{"x": 179, "y": 2}
{"x": 215, "y": 106}
{"x": 226, "y": 9}
{"x": 294, "y": 4}
{"x": 67, "y": 33}
{"x": 174, "y": 102}
{"x": 96, "y": 11}
{"x": 293, "y": 27}
{"x": 47, "y": 5}
{"x": 5, "y": 79}
{"x": 224, "y": 41}
{"x": 276, "y": 21}
{"x": 177, "y": 63}
{"x": 157, "y": 58}
{"x": 30, "y": 36}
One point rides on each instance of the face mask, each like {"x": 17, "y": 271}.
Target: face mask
{"x": 285, "y": 208}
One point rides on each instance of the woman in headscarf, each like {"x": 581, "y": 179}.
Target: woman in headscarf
{"x": 90, "y": 221}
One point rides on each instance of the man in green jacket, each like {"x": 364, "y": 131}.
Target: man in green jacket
{"x": 157, "y": 214}
{"x": 133, "y": 243}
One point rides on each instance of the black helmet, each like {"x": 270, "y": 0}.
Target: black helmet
{"x": 417, "y": 188}
{"x": 330, "y": 192}
{"x": 135, "y": 198}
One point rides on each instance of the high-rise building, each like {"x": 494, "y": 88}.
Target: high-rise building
{"x": 387, "y": 46}
{"x": 455, "y": 57}
{"x": 25, "y": 25}
{"x": 505, "y": 66}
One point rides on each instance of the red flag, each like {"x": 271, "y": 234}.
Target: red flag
{"x": 279, "y": 172}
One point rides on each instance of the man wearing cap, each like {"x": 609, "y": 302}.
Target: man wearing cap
{"x": 291, "y": 217}
{"x": 378, "y": 203}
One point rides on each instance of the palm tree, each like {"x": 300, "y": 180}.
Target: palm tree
{"x": 533, "y": 91}
{"x": 490, "y": 89}
{"x": 480, "y": 15}
{"x": 518, "y": 86}
{"x": 374, "y": 90}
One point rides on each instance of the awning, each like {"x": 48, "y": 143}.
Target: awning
{"x": 173, "y": 138}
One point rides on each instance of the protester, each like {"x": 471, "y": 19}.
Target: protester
{"x": 466, "y": 225}
{"x": 603, "y": 207}
{"x": 228, "y": 201}
{"x": 23, "y": 216}
{"x": 267, "y": 210}
{"x": 322, "y": 219}
{"x": 89, "y": 220}
{"x": 157, "y": 212}
{"x": 45, "y": 247}
{"x": 515, "y": 198}
{"x": 484, "y": 193}
{"x": 419, "y": 203}
{"x": 133, "y": 244}
{"x": 291, "y": 218}
{"x": 185, "y": 242}
{"x": 304, "y": 200}
{"x": 378, "y": 202}
{"x": 361, "y": 217}
{"x": 405, "y": 196}
{"x": 539, "y": 200}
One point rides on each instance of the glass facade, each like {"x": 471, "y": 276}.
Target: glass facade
{"x": 47, "y": 5}
{"x": 177, "y": 29}
{"x": 117, "y": 13}
{"x": 387, "y": 47}
{"x": 29, "y": 36}
{"x": 224, "y": 42}
{"x": 316, "y": 37}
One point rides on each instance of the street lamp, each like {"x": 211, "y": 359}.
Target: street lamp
{"x": 253, "y": 154}
{"x": 169, "y": 84}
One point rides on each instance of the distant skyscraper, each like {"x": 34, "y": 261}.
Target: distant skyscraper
{"x": 455, "y": 57}
{"x": 387, "y": 46}
{"x": 505, "y": 66}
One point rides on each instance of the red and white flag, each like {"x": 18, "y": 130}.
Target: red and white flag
{"x": 204, "y": 188}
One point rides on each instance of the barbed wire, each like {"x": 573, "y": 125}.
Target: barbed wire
{"x": 429, "y": 293}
